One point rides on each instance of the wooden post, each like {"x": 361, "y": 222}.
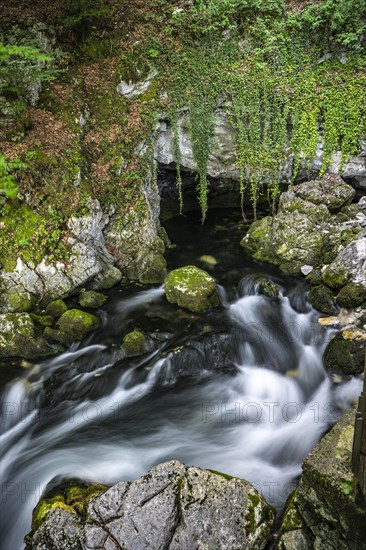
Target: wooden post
{"x": 362, "y": 462}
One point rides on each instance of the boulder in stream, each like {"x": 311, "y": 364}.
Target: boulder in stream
{"x": 172, "y": 506}
{"x": 192, "y": 288}
{"x": 73, "y": 325}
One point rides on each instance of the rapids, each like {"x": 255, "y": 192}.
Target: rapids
{"x": 241, "y": 389}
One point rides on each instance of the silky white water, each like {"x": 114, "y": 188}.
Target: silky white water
{"x": 258, "y": 424}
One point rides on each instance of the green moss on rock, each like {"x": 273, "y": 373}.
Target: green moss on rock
{"x": 134, "y": 344}
{"x": 335, "y": 279}
{"x": 267, "y": 288}
{"x": 20, "y": 338}
{"x": 43, "y": 320}
{"x": 321, "y": 297}
{"x": 70, "y": 496}
{"x": 351, "y": 295}
{"x": 192, "y": 288}
{"x": 56, "y": 308}
{"x": 152, "y": 268}
{"x": 345, "y": 355}
{"x": 77, "y": 323}
{"x": 92, "y": 299}
{"x": 18, "y": 302}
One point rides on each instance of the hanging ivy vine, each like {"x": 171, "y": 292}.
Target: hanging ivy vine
{"x": 281, "y": 93}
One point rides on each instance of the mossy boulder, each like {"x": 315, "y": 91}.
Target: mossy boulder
{"x": 20, "y": 338}
{"x": 323, "y": 512}
{"x": 77, "y": 324}
{"x": 346, "y": 352}
{"x": 92, "y": 299}
{"x": 134, "y": 344}
{"x": 192, "y": 288}
{"x": 303, "y": 233}
{"x": 351, "y": 295}
{"x": 293, "y": 238}
{"x": 56, "y": 308}
{"x": 321, "y": 297}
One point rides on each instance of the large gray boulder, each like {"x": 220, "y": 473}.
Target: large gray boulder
{"x": 173, "y": 506}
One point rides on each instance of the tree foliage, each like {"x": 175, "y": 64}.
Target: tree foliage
{"x": 21, "y": 67}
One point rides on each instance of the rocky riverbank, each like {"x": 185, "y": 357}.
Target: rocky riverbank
{"x": 182, "y": 507}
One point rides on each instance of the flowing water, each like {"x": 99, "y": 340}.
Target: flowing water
{"x": 241, "y": 389}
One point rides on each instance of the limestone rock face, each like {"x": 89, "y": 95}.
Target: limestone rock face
{"x": 136, "y": 244}
{"x": 172, "y": 506}
{"x": 322, "y": 512}
{"x": 192, "y": 288}
{"x": 19, "y": 338}
{"x": 222, "y": 164}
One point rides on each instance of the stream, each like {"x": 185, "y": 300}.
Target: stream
{"x": 241, "y": 389}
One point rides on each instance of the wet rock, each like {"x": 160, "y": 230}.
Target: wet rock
{"x": 56, "y": 308}
{"x": 77, "y": 323}
{"x": 351, "y": 295}
{"x": 192, "y": 288}
{"x": 321, "y": 297}
{"x": 134, "y": 344}
{"x": 92, "y": 299}
{"x": 323, "y": 513}
{"x": 212, "y": 352}
{"x": 171, "y": 506}
{"x": 346, "y": 352}
{"x": 19, "y": 338}
{"x": 330, "y": 190}
{"x": 267, "y": 288}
